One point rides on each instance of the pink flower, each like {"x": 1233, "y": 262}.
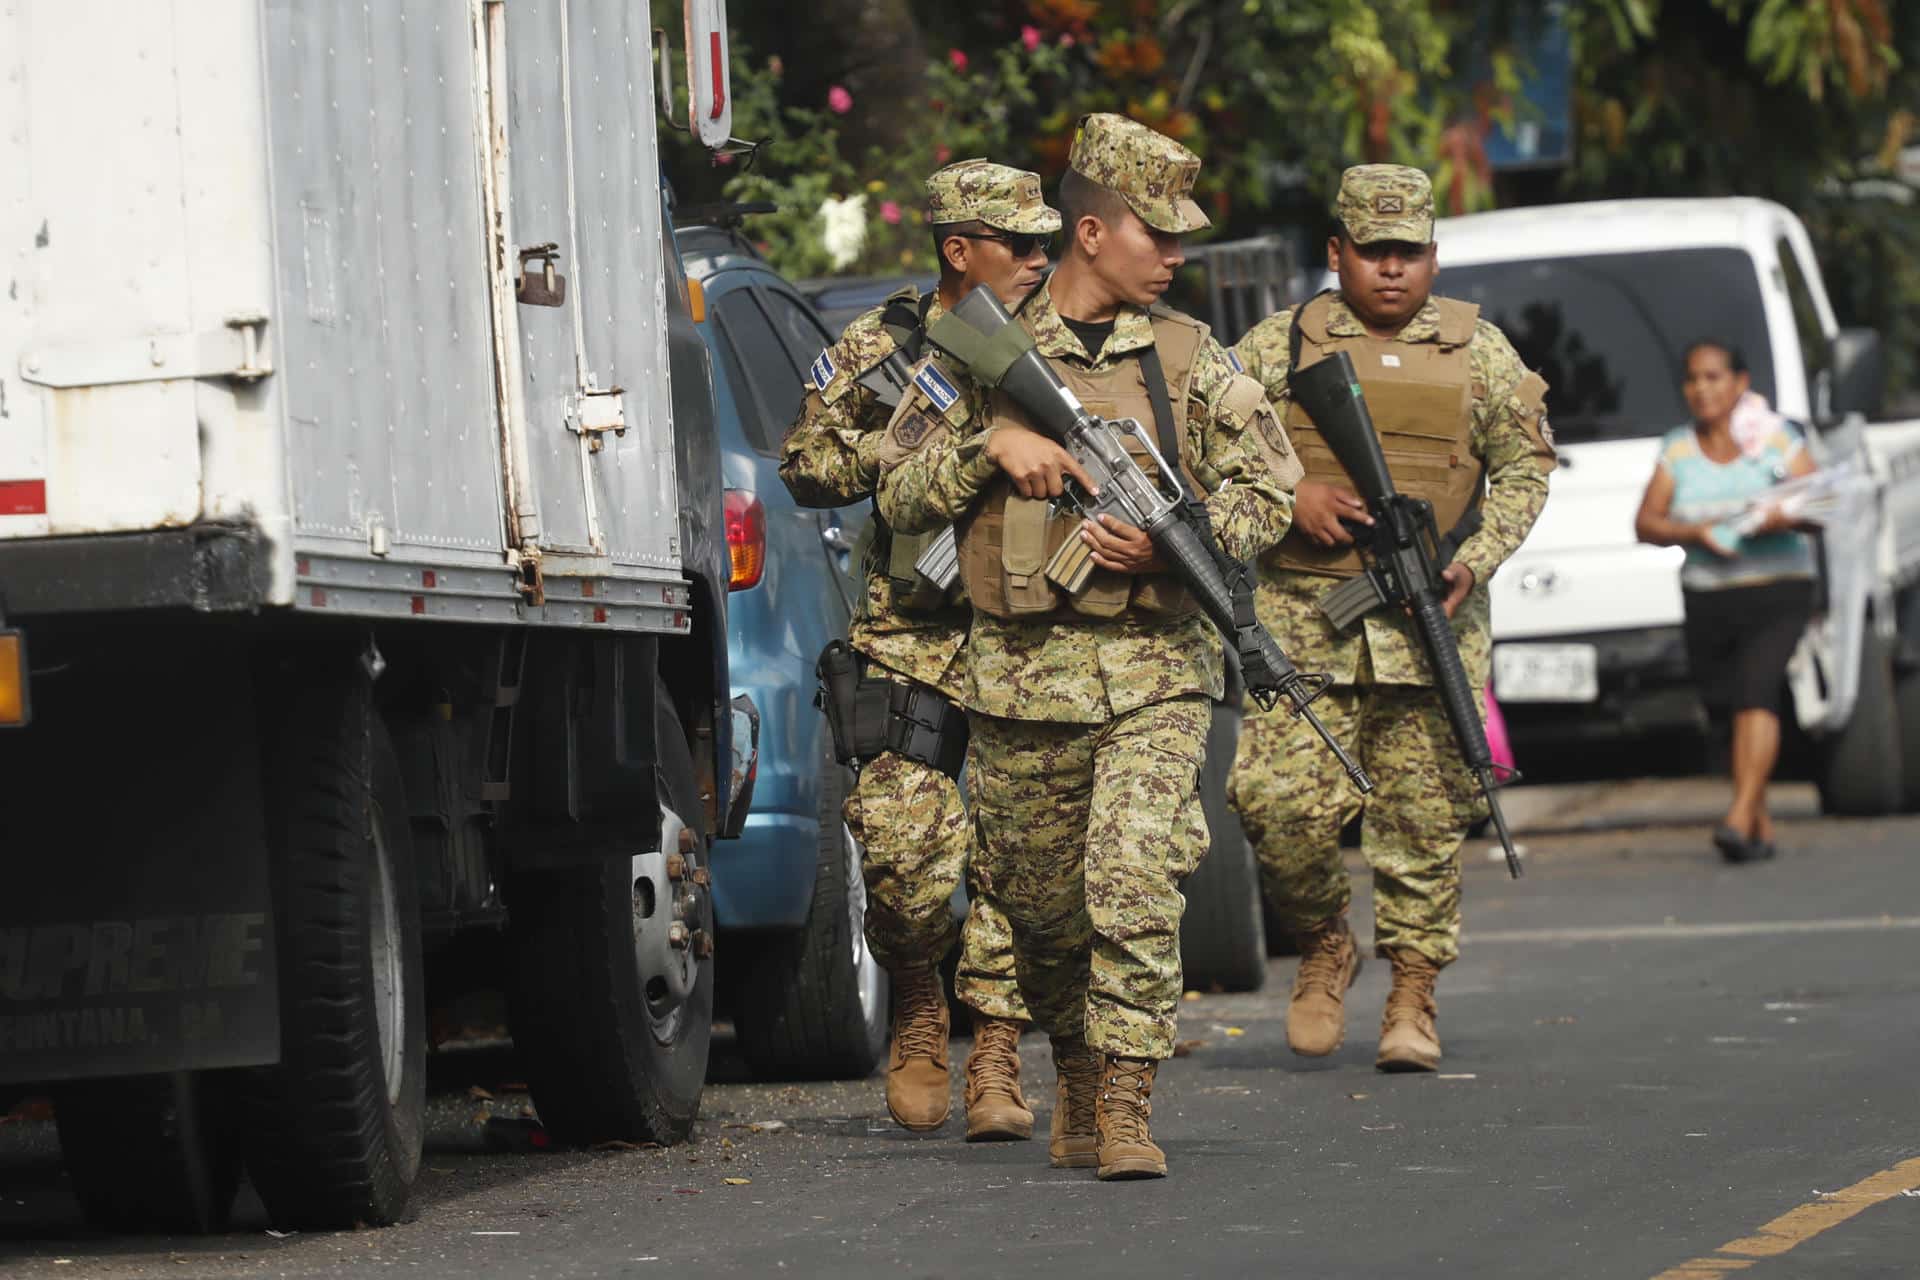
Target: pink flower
{"x": 942, "y": 153}
{"x": 1066, "y": 39}
{"x": 839, "y": 101}
{"x": 958, "y": 58}
{"x": 890, "y": 212}
{"x": 1030, "y": 37}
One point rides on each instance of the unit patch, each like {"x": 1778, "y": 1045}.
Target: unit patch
{"x": 912, "y": 429}
{"x": 941, "y": 392}
{"x": 823, "y": 370}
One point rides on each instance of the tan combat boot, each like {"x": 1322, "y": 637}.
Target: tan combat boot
{"x": 1075, "y": 1140}
{"x": 1317, "y": 1014}
{"x": 1409, "y": 1040}
{"x": 917, "y": 1090}
{"x": 996, "y": 1109}
{"x": 1126, "y": 1105}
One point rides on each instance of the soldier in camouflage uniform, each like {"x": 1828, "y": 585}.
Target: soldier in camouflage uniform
{"x": 1462, "y": 423}
{"x": 990, "y": 226}
{"x": 1089, "y": 711}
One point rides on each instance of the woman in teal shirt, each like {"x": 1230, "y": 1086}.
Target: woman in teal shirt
{"x": 1748, "y": 596}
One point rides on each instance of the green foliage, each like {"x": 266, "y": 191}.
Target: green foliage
{"x": 1801, "y": 101}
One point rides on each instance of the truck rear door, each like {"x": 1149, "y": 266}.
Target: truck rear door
{"x": 584, "y": 199}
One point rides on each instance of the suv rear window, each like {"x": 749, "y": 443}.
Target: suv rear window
{"x": 1607, "y": 332}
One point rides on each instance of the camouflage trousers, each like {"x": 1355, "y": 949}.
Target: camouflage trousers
{"x": 1086, "y": 832}
{"x": 909, "y": 818}
{"x": 1293, "y": 798}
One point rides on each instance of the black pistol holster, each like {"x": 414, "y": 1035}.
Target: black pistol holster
{"x": 871, "y": 714}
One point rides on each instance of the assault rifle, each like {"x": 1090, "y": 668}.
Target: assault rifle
{"x": 1400, "y": 550}
{"x": 980, "y": 334}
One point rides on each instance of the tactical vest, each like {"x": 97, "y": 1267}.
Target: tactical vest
{"x": 1006, "y": 541}
{"x": 1421, "y": 398}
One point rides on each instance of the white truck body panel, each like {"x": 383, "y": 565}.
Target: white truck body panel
{"x": 258, "y": 273}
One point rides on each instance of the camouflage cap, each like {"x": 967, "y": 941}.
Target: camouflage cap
{"x": 1150, "y": 171}
{"x": 1385, "y": 202}
{"x": 1004, "y": 198}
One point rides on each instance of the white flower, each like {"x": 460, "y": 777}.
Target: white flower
{"x": 846, "y": 228}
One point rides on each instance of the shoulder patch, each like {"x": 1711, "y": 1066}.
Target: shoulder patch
{"x": 935, "y": 384}
{"x": 1244, "y": 397}
{"x": 912, "y": 429}
{"x": 823, "y": 370}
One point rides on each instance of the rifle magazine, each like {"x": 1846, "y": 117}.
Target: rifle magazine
{"x": 1352, "y": 600}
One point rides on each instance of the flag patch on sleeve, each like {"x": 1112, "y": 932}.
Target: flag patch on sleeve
{"x": 823, "y": 370}
{"x": 942, "y": 392}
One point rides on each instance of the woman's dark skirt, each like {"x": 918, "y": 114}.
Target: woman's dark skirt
{"x": 1739, "y": 640}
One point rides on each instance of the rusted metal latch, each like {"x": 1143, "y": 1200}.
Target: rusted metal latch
{"x": 237, "y": 351}
{"x": 532, "y": 580}
{"x": 592, "y": 413}
{"x": 547, "y": 287}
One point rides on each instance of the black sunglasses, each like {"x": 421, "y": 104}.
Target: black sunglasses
{"x": 1020, "y": 244}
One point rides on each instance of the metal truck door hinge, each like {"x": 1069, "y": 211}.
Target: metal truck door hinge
{"x": 237, "y": 351}
{"x": 592, "y": 413}
{"x": 546, "y": 287}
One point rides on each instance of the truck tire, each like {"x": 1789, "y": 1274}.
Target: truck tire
{"x": 612, "y": 1019}
{"x": 813, "y": 1005}
{"x": 1906, "y": 705}
{"x": 149, "y": 1153}
{"x": 333, "y": 1134}
{"x": 1860, "y": 766}
{"x": 1223, "y": 937}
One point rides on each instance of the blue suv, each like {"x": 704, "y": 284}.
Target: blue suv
{"x": 807, "y": 997}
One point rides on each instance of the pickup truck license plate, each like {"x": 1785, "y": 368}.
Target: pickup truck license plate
{"x": 1546, "y": 673}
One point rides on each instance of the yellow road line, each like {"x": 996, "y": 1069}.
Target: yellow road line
{"x": 1797, "y": 1226}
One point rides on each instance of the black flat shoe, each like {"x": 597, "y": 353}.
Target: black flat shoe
{"x": 1760, "y": 850}
{"x": 1733, "y": 846}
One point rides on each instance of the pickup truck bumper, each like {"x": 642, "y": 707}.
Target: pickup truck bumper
{"x": 1645, "y": 689}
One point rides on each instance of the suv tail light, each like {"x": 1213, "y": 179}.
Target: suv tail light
{"x": 746, "y": 539}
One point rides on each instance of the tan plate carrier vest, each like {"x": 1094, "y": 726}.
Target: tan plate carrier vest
{"x": 1421, "y": 398}
{"x": 1006, "y": 541}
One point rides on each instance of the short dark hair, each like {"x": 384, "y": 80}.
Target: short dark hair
{"x": 1082, "y": 197}
{"x": 1736, "y": 358}
{"x": 942, "y": 231}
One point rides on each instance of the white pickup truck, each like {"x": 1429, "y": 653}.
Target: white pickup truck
{"x": 1603, "y": 298}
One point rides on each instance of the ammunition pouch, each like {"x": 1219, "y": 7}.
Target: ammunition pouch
{"x": 868, "y": 715}
{"x": 922, "y": 569}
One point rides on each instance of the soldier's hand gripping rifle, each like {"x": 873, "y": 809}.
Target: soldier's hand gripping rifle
{"x": 979, "y": 333}
{"x": 1402, "y": 564}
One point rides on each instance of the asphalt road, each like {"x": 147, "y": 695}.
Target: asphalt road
{"x": 1656, "y": 1065}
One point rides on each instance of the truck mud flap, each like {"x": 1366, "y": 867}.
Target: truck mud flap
{"x": 136, "y": 925}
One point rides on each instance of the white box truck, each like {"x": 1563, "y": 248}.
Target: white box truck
{"x": 362, "y": 579}
{"x": 1603, "y": 298}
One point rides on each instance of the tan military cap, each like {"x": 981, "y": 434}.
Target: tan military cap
{"x": 1150, "y": 171}
{"x": 1386, "y": 202}
{"x": 1004, "y": 198}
